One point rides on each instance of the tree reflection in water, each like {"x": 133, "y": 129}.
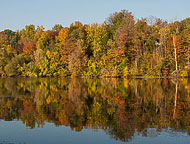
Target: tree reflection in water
{"x": 122, "y": 108}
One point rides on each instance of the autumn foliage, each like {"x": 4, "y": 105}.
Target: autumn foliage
{"x": 121, "y": 46}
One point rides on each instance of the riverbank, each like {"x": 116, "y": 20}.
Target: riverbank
{"x": 99, "y": 77}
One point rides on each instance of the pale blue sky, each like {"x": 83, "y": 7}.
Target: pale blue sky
{"x": 15, "y": 14}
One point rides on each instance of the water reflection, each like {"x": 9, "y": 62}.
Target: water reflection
{"x": 122, "y": 108}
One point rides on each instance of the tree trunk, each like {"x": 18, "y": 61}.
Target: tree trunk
{"x": 165, "y": 45}
{"x": 175, "y": 50}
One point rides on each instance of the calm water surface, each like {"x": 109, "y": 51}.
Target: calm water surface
{"x": 94, "y": 111}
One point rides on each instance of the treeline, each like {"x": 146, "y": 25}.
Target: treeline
{"x": 121, "y": 46}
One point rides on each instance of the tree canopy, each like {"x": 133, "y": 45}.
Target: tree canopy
{"x": 120, "y": 46}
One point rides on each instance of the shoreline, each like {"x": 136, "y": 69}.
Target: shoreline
{"x": 103, "y": 77}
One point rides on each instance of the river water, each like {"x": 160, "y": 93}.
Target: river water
{"x": 94, "y": 111}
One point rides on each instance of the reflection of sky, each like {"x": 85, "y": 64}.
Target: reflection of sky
{"x": 16, "y": 132}
{"x": 15, "y": 14}
{"x": 164, "y": 137}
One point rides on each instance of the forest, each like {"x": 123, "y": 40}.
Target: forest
{"x": 121, "y": 46}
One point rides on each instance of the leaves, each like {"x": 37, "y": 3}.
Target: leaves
{"x": 118, "y": 47}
